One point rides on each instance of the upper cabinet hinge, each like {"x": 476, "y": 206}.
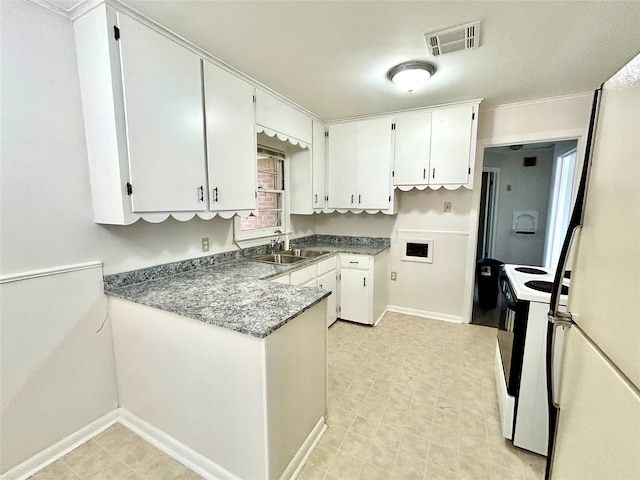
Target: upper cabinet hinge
{"x": 393, "y": 126}
{"x": 389, "y": 197}
{"x": 116, "y": 32}
{"x": 326, "y": 134}
{"x": 469, "y": 170}
{"x": 129, "y": 189}
{"x": 393, "y": 173}
{"x": 473, "y": 116}
{"x": 254, "y": 99}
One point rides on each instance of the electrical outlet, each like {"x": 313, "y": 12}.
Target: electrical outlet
{"x": 205, "y": 244}
{"x": 447, "y": 207}
{"x": 394, "y": 276}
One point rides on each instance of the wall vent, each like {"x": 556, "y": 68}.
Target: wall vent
{"x": 464, "y": 37}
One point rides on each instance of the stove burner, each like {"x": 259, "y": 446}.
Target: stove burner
{"x": 531, "y": 271}
{"x": 546, "y": 287}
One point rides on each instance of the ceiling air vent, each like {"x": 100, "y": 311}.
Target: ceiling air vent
{"x": 454, "y": 39}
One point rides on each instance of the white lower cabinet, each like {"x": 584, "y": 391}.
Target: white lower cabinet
{"x": 321, "y": 274}
{"x": 329, "y": 282}
{"x": 363, "y": 293}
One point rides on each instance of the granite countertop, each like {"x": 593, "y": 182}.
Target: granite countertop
{"x": 235, "y": 294}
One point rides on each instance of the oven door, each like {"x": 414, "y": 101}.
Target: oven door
{"x": 512, "y": 329}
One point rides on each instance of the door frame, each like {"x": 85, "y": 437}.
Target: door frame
{"x": 554, "y": 136}
{"x": 493, "y": 192}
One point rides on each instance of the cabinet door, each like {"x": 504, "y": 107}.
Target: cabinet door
{"x": 164, "y": 120}
{"x": 274, "y": 114}
{"x": 319, "y": 165}
{"x": 342, "y": 163}
{"x": 328, "y": 282}
{"x": 355, "y": 295}
{"x": 374, "y": 163}
{"x": 231, "y": 140}
{"x": 412, "y": 149}
{"x": 451, "y": 132}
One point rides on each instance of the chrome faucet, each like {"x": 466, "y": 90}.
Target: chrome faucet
{"x": 276, "y": 244}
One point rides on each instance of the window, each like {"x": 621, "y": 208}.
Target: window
{"x": 270, "y": 217}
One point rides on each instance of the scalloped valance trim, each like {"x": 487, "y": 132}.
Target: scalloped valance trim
{"x": 281, "y": 136}
{"x": 407, "y": 188}
{"x": 186, "y": 216}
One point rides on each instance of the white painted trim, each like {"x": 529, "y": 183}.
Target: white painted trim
{"x": 45, "y": 272}
{"x": 539, "y": 101}
{"x": 475, "y": 101}
{"x": 174, "y": 448}
{"x": 80, "y": 8}
{"x": 426, "y": 314}
{"x": 380, "y": 317}
{"x": 306, "y": 449}
{"x": 61, "y": 448}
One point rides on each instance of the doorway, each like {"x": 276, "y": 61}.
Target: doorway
{"x": 534, "y": 181}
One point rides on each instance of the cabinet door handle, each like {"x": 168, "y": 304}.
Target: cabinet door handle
{"x": 424, "y": 173}
{"x": 352, "y": 199}
{"x": 364, "y": 282}
{"x": 433, "y": 175}
{"x": 215, "y": 194}
{"x": 201, "y": 193}
{"x": 354, "y": 262}
{"x": 359, "y": 199}
{"x": 316, "y": 198}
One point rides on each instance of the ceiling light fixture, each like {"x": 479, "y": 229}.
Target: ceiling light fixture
{"x": 411, "y": 75}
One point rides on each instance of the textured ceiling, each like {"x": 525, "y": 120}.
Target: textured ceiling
{"x": 331, "y": 57}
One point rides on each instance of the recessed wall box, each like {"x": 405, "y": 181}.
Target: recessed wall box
{"x": 417, "y": 250}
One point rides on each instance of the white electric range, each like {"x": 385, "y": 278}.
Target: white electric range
{"x": 521, "y": 354}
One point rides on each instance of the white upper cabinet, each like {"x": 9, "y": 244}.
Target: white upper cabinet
{"x": 277, "y": 117}
{"x": 162, "y": 88}
{"x": 412, "y": 149}
{"x": 231, "y": 141}
{"x": 342, "y": 168}
{"x": 436, "y": 147}
{"x": 144, "y": 121}
{"x": 374, "y": 163}
{"x": 453, "y": 132}
{"x": 359, "y": 165}
{"x": 319, "y": 166}
{"x": 307, "y": 175}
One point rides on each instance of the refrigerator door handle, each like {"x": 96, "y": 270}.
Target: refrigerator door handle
{"x": 562, "y": 320}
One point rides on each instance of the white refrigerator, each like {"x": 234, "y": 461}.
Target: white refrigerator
{"x": 594, "y": 390}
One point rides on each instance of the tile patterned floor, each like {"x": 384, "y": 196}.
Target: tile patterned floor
{"x": 409, "y": 399}
{"x": 116, "y": 454}
{"x": 415, "y": 399}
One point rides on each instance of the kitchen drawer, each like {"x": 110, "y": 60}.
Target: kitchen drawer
{"x": 326, "y": 265}
{"x": 281, "y": 279}
{"x": 361, "y": 262}
{"x": 303, "y": 275}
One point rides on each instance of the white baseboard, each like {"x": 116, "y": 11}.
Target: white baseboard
{"x": 305, "y": 451}
{"x": 175, "y": 449}
{"x": 379, "y": 318}
{"x": 61, "y": 448}
{"x": 169, "y": 445}
{"x": 426, "y": 314}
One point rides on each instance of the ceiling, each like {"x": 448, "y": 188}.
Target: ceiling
{"x": 331, "y": 57}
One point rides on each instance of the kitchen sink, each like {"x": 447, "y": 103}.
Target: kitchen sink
{"x": 304, "y": 253}
{"x": 278, "y": 258}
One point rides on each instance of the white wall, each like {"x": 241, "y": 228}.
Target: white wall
{"x": 56, "y": 363}
{"x": 521, "y": 188}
